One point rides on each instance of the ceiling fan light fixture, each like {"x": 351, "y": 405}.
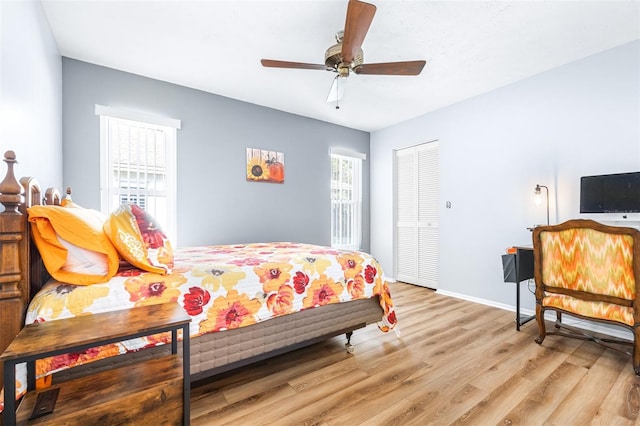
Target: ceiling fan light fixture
{"x": 337, "y": 90}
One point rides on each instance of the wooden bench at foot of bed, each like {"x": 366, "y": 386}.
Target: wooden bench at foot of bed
{"x": 156, "y": 391}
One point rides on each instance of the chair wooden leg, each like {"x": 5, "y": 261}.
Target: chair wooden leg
{"x": 542, "y": 331}
{"x": 558, "y": 319}
{"x": 636, "y": 350}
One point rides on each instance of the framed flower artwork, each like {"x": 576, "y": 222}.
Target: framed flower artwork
{"x": 265, "y": 166}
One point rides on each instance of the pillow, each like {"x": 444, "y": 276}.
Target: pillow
{"x": 84, "y": 261}
{"x": 139, "y": 240}
{"x": 72, "y": 243}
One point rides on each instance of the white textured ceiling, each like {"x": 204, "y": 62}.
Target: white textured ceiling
{"x": 471, "y": 47}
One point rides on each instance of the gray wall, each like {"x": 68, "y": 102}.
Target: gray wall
{"x": 579, "y": 119}
{"x": 216, "y": 205}
{"x": 30, "y": 92}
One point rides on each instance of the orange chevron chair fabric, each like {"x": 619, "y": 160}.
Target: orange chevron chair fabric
{"x": 588, "y": 270}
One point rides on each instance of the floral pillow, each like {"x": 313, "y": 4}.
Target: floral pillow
{"x": 139, "y": 239}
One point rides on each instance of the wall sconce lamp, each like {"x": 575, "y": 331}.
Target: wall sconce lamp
{"x": 538, "y": 198}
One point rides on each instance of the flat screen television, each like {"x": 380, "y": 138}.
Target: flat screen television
{"x": 613, "y": 193}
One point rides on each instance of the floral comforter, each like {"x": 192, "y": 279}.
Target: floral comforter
{"x": 220, "y": 287}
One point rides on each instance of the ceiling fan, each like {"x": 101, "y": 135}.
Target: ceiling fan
{"x": 346, "y": 56}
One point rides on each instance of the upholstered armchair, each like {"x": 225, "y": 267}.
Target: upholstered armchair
{"x": 589, "y": 270}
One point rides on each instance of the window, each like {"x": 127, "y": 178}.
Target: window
{"x": 138, "y": 163}
{"x": 129, "y": 197}
{"x": 346, "y": 199}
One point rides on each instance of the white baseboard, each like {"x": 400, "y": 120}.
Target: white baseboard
{"x": 592, "y": 326}
{"x": 484, "y": 302}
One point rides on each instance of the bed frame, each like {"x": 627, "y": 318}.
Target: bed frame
{"x": 22, "y": 274}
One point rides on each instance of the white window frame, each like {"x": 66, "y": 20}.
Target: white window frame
{"x": 354, "y": 228}
{"x": 169, "y": 127}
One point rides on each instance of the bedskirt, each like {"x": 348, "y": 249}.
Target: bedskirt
{"x": 216, "y": 353}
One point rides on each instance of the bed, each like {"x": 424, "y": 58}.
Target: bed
{"x": 304, "y": 294}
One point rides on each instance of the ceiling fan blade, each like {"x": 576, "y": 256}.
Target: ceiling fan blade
{"x": 392, "y": 68}
{"x": 337, "y": 89}
{"x": 359, "y": 17}
{"x": 286, "y": 64}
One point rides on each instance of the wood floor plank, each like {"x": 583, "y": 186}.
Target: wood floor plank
{"x": 307, "y": 381}
{"x": 582, "y": 407}
{"x": 289, "y": 366}
{"x": 543, "y": 398}
{"x": 206, "y": 402}
{"x": 448, "y": 394}
{"x": 503, "y": 399}
{"x": 402, "y": 413}
{"x": 455, "y": 362}
{"x": 586, "y": 354}
{"x": 240, "y": 410}
{"x": 356, "y": 403}
{"x": 540, "y": 362}
{"x": 623, "y": 400}
{"x": 295, "y": 405}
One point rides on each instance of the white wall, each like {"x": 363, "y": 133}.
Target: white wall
{"x": 30, "y": 92}
{"x": 579, "y": 119}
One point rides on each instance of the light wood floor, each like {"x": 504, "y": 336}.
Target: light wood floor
{"x": 456, "y": 362}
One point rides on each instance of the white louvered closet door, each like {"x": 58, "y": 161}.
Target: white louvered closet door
{"x": 416, "y": 187}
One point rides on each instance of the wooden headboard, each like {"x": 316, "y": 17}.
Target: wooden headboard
{"x": 22, "y": 273}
